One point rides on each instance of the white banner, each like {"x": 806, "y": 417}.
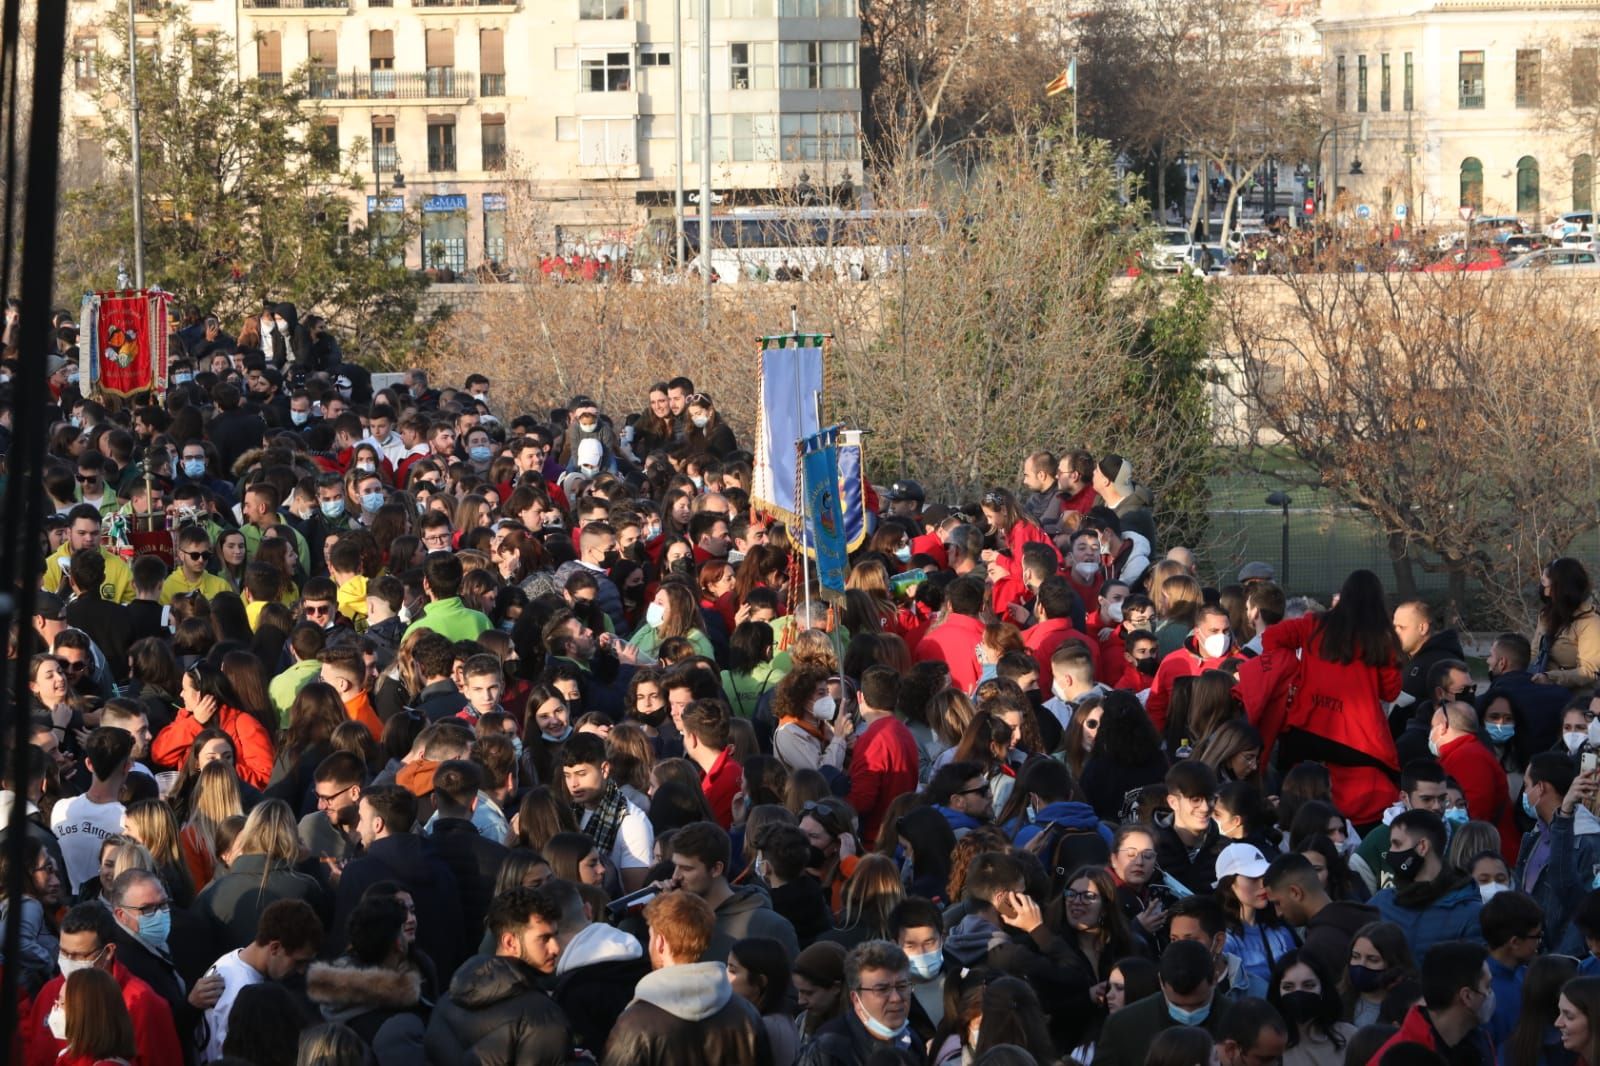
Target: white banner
{"x": 791, "y": 393}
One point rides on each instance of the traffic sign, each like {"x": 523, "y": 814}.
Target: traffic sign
{"x": 1400, "y": 211}
{"x": 1363, "y": 211}
{"x": 1466, "y": 212}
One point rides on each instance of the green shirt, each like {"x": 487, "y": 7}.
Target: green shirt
{"x": 452, "y": 619}
{"x": 744, "y": 691}
{"x": 282, "y": 689}
{"x": 647, "y": 640}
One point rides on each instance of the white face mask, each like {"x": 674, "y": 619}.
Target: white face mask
{"x": 1594, "y": 733}
{"x": 1574, "y": 741}
{"x": 1114, "y": 611}
{"x": 57, "y": 1021}
{"x": 825, "y": 708}
{"x": 1085, "y": 571}
{"x": 1215, "y": 645}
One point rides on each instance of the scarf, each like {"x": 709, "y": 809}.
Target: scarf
{"x": 809, "y": 727}
{"x": 607, "y": 819}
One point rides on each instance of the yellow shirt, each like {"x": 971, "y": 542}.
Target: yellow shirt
{"x": 177, "y": 584}
{"x": 353, "y": 598}
{"x": 117, "y": 587}
{"x": 252, "y": 612}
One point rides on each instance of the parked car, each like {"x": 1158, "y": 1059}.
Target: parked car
{"x": 1207, "y": 259}
{"x": 1472, "y": 260}
{"x": 1570, "y": 223}
{"x": 1172, "y": 250}
{"x": 1496, "y": 227}
{"x": 1558, "y": 259}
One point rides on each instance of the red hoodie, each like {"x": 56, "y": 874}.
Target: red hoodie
{"x": 1043, "y": 640}
{"x": 955, "y": 643}
{"x": 1187, "y": 661}
{"x": 1417, "y": 1028}
{"x": 155, "y": 1037}
{"x": 1483, "y": 782}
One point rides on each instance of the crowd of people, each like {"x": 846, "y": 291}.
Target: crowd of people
{"x": 447, "y": 733}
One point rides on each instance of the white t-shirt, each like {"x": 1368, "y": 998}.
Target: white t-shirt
{"x": 81, "y": 825}
{"x": 636, "y": 840}
{"x": 236, "y": 974}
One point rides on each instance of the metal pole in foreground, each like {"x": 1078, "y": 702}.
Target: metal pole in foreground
{"x": 677, "y": 114}
{"x": 138, "y": 163}
{"x": 705, "y": 163}
{"x": 800, "y": 501}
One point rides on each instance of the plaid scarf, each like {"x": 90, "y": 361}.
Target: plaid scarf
{"x": 607, "y": 818}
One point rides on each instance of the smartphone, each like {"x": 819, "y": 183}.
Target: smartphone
{"x": 901, "y": 585}
{"x": 1588, "y": 762}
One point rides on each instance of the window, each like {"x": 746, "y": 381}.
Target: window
{"x": 811, "y": 9}
{"x": 606, "y": 142}
{"x": 818, "y": 65}
{"x": 494, "y": 142}
{"x": 384, "y": 157}
{"x": 444, "y": 238}
{"x": 1527, "y": 185}
{"x": 441, "y": 59}
{"x": 83, "y": 62}
{"x": 602, "y": 9}
{"x": 1528, "y": 75}
{"x": 1472, "y": 183}
{"x": 1410, "y": 85}
{"x": 380, "y": 49}
{"x": 441, "y": 142}
{"x": 606, "y": 72}
{"x": 1361, "y": 83}
{"x": 655, "y": 56}
{"x": 1471, "y": 81}
{"x": 1385, "y": 83}
{"x": 825, "y": 136}
{"x": 324, "y": 143}
{"x": 1339, "y": 86}
{"x": 322, "y": 77}
{"x": 1583, "y": 183}
{"x": 494, "y": 227}
{"x": 736, "y": 9}
{"x": 750, "y": 65}
{"x": 492, "y": 62}
{"x": 1585, "y": 76}
{"x": 269, "y": 59}
{"x": 755, "y": 138}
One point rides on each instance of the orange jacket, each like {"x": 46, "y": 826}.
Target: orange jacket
{"x": 252, "y": 746}
{"x": 360, "y": 710}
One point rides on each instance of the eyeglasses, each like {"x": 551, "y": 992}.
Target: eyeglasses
{"x": 1088, "y": 895}
{"x": 198, "y": 557}
{"x": 93, "y": 956}
{"x": 150, "y": 908}
{"x": 976, "y": 790}
{"x": 75, "y": 667}
{"x": 329, "y": 797}
{"x": 1134, "y": 855}
{"x": 898, "y": 990}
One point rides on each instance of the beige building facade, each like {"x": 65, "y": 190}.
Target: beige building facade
{"x": 568, "y": 105}
{"x": 1463, "y": 103}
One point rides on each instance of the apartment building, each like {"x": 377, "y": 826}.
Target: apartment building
{"x": 464, "y": 105}
{"x": 1461, "y": 102}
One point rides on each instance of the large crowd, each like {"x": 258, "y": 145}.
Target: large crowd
{"x": 447, "y": 733}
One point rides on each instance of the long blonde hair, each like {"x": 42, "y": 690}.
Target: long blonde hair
{"x": 156, "y": 828}
{"x": 215, "y": 800}
{"x": 270, "y": 830}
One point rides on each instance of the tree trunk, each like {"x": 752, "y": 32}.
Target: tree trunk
{"x": 1458, "y": 592}
{"x": 1405, "y": 576}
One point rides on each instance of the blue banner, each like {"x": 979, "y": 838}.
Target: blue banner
{"x": 859, "y": 522}
{"x": 819, "y": 464}
{"x": 390, "y": 205}
{"x": 447, "y": 202}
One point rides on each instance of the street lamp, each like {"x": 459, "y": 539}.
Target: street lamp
{"x": 397, "y": 185}
{"x": 1281, "y": 499}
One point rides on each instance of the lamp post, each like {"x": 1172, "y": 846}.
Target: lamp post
{"x": 1281, "y": 499}
{"x": 398, "y": 185}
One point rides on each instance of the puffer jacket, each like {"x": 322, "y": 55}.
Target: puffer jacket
{"x": 495, "y": 1013}
{"x": 1572, "y": 870}
{"x": 1433, "y": 911}
{"x": 686, "y": 1016}
{"x": 380, "y": 1005}
{"x": 233, "y": 902}
{"x": 595, "y": 978}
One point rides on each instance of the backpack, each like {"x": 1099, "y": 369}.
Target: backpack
{"x": 1063, "y": 851}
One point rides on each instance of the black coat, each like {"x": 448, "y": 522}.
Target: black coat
{"x": 475, "y": 860}
{"x": 410, "y": 861}
{"x": 109, "y": 625}
{"x": 495, "y": 1014}
{"x": 1445, "y": 644}
{"x": 163, "y": 977}
{"x": 844, "y": 1041}
{"x": 234, "y": 433}
{"x": 725, "y": 1029}
{"x": 593, "y": 997}
{"x": 233, "y": 902}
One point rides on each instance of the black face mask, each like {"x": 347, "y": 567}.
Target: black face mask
{"x": 1147, "y": 667}
{"x": 1301, "y": 1007}
{"x": 1406, "y": 865}
{"x": 682, "y": 565}
{"x": 611, "y": 558}
{"x": 652, "y": 720}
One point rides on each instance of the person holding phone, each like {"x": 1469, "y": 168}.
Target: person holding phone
{"x": 1560, "y": 856}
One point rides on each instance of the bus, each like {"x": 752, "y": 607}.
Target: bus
{"x": 760, "y": 244}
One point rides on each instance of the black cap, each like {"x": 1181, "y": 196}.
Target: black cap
{"x": 906, "y": 490}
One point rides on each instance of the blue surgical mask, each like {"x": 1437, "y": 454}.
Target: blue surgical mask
{"x": 877, "y": 1028}
{"x": 371, "y": 501}
{"x": 299, "y": 418}
{"x": 926, "y": 966}
{"x": 182, "y": 379}
{"x": 1458, "y": 815}
{"x": 1188, "y": 1017}
{"x": 480, "y": 453}
{"x": 1500, "y": 732}
{"x": 194, "y": 467}
{"x": 903, "y": 553}
{"x": 556, "y": 738}
{"x": 1528, "y": 809}
{"x": 332, "y": 508}
{"x": 516, "y": 745}
{"x": 155, "y": 928}
{"x": 698, "y": 482}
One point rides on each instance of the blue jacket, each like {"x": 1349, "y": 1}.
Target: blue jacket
{"x": 1259, "y": 948}
{"x": 1066, "y": 814}
{"x": 960, "y": 823}
{"x": 1452, "y": 916}
{"x": 1573, "y": 869}
{"x": 1507, "y": 985}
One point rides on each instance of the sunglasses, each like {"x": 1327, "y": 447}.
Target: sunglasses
{"x": 318, "y": 610}
{"x": 88, "y": 479}
{"x": 198, "y": 557}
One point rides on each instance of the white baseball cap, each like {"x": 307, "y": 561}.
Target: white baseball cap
{"x": 1243, "y": 859}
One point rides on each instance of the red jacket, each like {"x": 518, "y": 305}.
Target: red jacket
{"x": 725, "y": 779}
{"x": 1088, "y": 591}
{"x": 252, "y": 746}
{"x": 1024, "y": 532}
{"x": 883, "y": 765}
{"x": 1009, "y": 589}
{"x": 1483, "y": 782}
{"x": 930, "y": 545}
{"x": 1043, "y": 640}
{"x": 1418, "y": 1029}
{"x": 1187, "y": 661}
{"x": 1083, "y": 501}
{"x": 154, "y": 1035}
{"x": 1343, "y": 703}
{"x": 1264, "y": 685}
{"x": 954, "y": 642}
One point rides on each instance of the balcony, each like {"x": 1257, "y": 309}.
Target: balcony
{"x": 441, "y": 158}
{"x": 433, "y": 5}
{"x": 310, "y": 7}
{"x": 443, "y": 83}
{"x": 385, "y": 157}
{"x": 491, "y": 84}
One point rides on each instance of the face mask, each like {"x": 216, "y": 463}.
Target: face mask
{"x": 194, "y": 467}
{"x": 480, "y": 453}
{"x": 825, "y": 708}
{"x": 1215, "y": 645}
{"x": 1301, "y": 1006}
{"x": 588, "y": 469}
{"x": 72, "y": 379}
{"x": 1147, "y": 667}
{"x": 1085, "y": 571}
{"x": 556, "y": 738}
{"x": 283, "y": 327}
{"x": 1500, "y": 732}
{"x": 874, "y": 1026}
{"x": 1366, "y": 979}
{"x": 481, "y": 397}
{"x": 700, "y": 421}
{"x": 1593, "y": 733}
{"x": 925, "y": 967}
{"x": 332, "y": 508}
{"x": 267, "y": 325}
{"x": 1528, "y": 808}
{"x": 75, "y": 420}
{"x": 1188, "y": 1017}
{"x": 1486, "y": 1009}
{"x": 903, "y": 553}
{"x": 1406, "y": 865}
{"x": 1573, "y": 741}
{"x": 371, "y": 501}
{"x": 182, "y": 379}
{"x": 587, "y": 424}
{"x": 650, "y": 532}
{"x": 1433, "y": 747}
{"x": 698, "y": 482}
{"x": 72, "y": 966}
{"x": 1490, "y": 889}
{"x": 516, "y": 745}
{"x": 366, "y": 467}
{"x": 57, "y": 1020}
{"x": 735, "y": 555}
{"x": 611, "y": 558}
{"x": 154, "y": 929}
{"x": 1114, "y": 612}
{"x": 1459, "y": 816}
{"x": 654, "y": 615}
{"x": 299, "y": 418}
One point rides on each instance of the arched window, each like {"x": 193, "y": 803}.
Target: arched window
{"x": 1472, "y": 183}
{"x": 1527, "y": 185}
{"x": 1583, "y": 183}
